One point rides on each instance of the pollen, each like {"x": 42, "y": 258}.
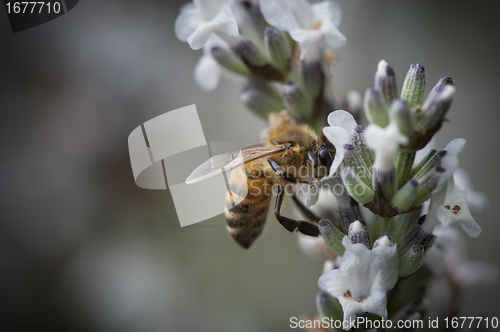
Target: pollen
{"x": 455, "y": 209}
{"x": 347, "y": 294}
{"x": 317, "y": 26}
{"x": 361, "y": 300}
{"x": 329, "y": 57}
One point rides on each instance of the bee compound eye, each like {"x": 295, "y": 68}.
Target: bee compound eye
{"x": 324, "y": 157}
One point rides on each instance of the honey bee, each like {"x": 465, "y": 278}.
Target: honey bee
{"x": 287, "y": 149}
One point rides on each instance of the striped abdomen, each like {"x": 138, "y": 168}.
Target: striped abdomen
{"x": 246, "y": 220}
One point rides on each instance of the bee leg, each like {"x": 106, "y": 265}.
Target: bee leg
{"x": 292, "y": 225}
{"x": 304, "y": 210}
{"x": 281, "y": 173}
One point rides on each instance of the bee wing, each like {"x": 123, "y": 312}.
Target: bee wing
{"x": 228, "y": 161}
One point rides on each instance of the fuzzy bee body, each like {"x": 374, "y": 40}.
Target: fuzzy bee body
{"x": 245, "y": 221}
{"x": 291, "y": 154}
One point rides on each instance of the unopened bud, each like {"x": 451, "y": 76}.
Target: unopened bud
{"x": 414, "y": 86}
{"x": 401, "y": 115}
{"x": 356, "y": 187}
{"x": 442, "y": 82}
{"x": 383, "y": 241}
{"x": 422, "y": 162}
{"x": 348, "y": 212}
{"x": 435, "y": 108}
{"x": 296, "y": 100}
{"x": 358, "y": 140}
{"x": 358, "y": 233}
{"x": 353, "y": 159}
{"x": 229, "y": 60}
{"x": 249, "y": 51}
{"x": 427, "y": 184}
{"x": 386, "y": 181}
{"x": 405, "y": 196}
{"x": 332, "y": 236}
{"x": 417, "y": 235}
{"x": 254, "y": 23}
{"x": 429, "y": 165}
{"x": 348, "y": 207}
{"x": 261, "y": 98}
{"x": 278, "y": 47}
{"x": 404, "y": 163}
{"x": 375, "y": 109}
{"x": 313, "y": 78}
{"x": 411, "y": 260}
{"x": 385, "y": 82}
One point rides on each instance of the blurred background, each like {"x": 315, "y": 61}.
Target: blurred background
{"x": 82, "y": 248}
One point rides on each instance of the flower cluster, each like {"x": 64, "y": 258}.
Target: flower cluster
{"x": 411, "y": 192}
{"x": 390, "y": 168}
{"x": 282, "y": 49}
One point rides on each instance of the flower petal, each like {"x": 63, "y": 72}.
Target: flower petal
{"x": 342, "y": 119}
{"x": 207, "y": 73}
{"x": 338, "y": 137}
{"x": 376, "y": 304}
{"x": 477, "y": 200}
{"x": 209, "y": 8}
{"x": 307, "y": 194}
{"x": 303, "y": 12}
{"x": 385, "y": 265}
{"x": 335, "y": 38}
{"x": 225, "y": 21}
{"x": 186, "y": 22}
{"x": 470, "y": 227}
{"x": 278, "y": 14}
{"x": 328, "y": 11}
{"x": 456, "y": 146}
{"x": 200, "y": 36}
{"x": 306, "y": 39}
{"x": 385, "y": 142}
{"x": 238, "y": 11}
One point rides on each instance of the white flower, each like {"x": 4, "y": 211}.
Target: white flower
{"x": 207, "y": 71}
{"x": 363, "y": 278}
{"x": 339, "y": 133}
{"x": 307, "y": 24}
{"x": 199, "y": 19}
{"x": 450, "y": 206}
{"x": 385, "y": 142}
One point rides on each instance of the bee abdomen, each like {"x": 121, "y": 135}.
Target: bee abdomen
{"x": 246, "y": 220}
